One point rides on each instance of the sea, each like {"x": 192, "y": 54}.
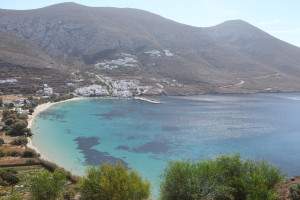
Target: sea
{"x": 146, "y": 136}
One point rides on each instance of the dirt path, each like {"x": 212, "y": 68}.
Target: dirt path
{"x": 239, "y": 84}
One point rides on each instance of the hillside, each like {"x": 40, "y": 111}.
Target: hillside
{"x": 105, "y": 44}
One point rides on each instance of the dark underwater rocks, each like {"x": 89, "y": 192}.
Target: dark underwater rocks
{"x": 93, "y": 156}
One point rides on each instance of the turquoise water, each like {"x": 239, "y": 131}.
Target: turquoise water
{"x": 145, "y": 136}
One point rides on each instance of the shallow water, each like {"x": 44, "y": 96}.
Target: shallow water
{"x": 145, "y": 136}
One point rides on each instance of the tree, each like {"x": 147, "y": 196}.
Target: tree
{"x": 28, "y": 153}
{"x": 1, "y": 141}
{"x": 11, "y": 105}
{"x": 20, "y": 141}
{"x": 9, "y": 121}
{"x": 6, "y": 113}
{"x": 46, "y": 185}
{"x": 1, "y": 102}
{"x": 19, "y": 128}
{"x": 31, "y": 110}
{"x": 10, "y": 178}
{"x": 224, "y": 178}
{"x": 114, "y": 182}
{"x": 22, "y": 117}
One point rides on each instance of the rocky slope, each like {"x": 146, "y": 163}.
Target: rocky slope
{"x": 103, "y": 46}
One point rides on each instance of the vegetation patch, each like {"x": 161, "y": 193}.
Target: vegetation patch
{"x": 113, "y": 182}
{"x": 15, "y": 124}
{"x": 224, "y": 178}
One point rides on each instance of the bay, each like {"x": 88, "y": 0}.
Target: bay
{"x": 146, "y": 136}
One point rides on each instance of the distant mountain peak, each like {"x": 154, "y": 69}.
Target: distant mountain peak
{"x": 66, "y": 5}
{"x": 237, "y": 23}
{"x": 70, "y": 3}
{"x": 235, "y": 29}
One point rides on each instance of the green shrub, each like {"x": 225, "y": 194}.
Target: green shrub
{"x": 23, "y": 117}
{"x": 15, "y": 124}
{"x": 113, "y": 182}
{"x": 20, "y": 141}
{"x": 13, "y": 171}
{"x": 29, "y": 154}
{"x": 2, "y": 154}
{"x": 294, "y": 192}
{"x": 9, "y": 178}
{"x": 11, "y": 105}
{"x": 31, "y": 110}
{"x": 30, "y": 162}
{"x": 8, "y": 113}
{"x": 1, "y": 141}
{"x": 7, "y": 129}
{"x": 69, "y": 194}
{"x": 2, "y": 183}
{"x": 13, "y": 153}
{"x": 46, "y": 185}
{"x": 224, "y": 178}
{"x": 9, "y": 121}
{"x": 12, "y": 196}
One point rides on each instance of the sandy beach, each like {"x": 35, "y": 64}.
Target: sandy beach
{"x": 39, "y": 109}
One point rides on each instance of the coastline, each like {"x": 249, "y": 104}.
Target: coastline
{"x": 39, "y": 109}
{"x": 43, "y": 107}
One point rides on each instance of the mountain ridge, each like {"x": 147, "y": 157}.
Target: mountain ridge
{"x": 156, "y": 50}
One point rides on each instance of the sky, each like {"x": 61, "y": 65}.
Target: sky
{"x": 280, "y": 18}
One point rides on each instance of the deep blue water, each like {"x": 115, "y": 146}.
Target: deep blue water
{"x": 145, "y": 136}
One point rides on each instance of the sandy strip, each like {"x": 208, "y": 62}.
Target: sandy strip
{"x": 39, "y": 109}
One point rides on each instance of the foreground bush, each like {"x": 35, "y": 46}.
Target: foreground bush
{"x": 46, "y": 185}
{"x": 13, "y": 196}
{"x": 294, "y": 192}
{"x": 110, "y": 182}
{"x": 225, "y": 178}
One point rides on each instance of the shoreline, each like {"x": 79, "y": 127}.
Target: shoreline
{"x": 43, "y": 107}
{"x": 31, "y": 118}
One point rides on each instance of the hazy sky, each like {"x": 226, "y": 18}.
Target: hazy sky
{"x": 280, "y": 18}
